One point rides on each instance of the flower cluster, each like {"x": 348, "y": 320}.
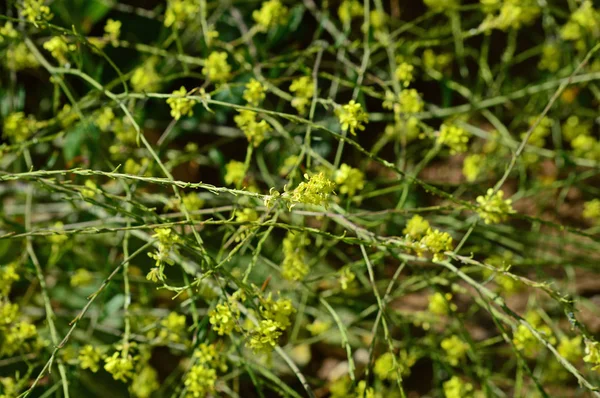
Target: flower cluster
{"x": 349, "y": 180}
{"x": 254, "y": 92}
{"x": 36, "y": 11}
{"x": 303, "y": 89}
{"x": 352, "y": 117}
{"x": 294, "y": 266}
{"x": 234, "y": 172}
{"x": 58, "y": 48}
{"x": 457, "y": 388}
{"x": 180, "y": 11}
{"x": 385, "y": 369}
{"x": 145, "y": 77}
{"x": 436, "y": 243}
{"x": 275, "y": 320}
{"x": 167, "y": 241}
{"x": 472, "y": 166}
{"x": 416, "y": 227}
{"x": 112, "y": 31}
{"x": 350, "y": 9}
{"x": 19, "y": 57}
{"x": 271, "y": 13}
{"x": 583, "y": 22}
{"x": 314, "y": 191}
{"x": 18, "y": 128}
{"x": 509, "y": 14}
{"x": 525, "y": 341}
{"x": 550, "y": 60}
{"x": 573, "y": 127}
{"x": 439, "y": 62}
{"x": 404, "y": 73}
{"x": 254, "y": 130}
{"x": 493, "y": 209}
{"x": 224, "y": 316}
{"x": 180, "y": 105}
{"x": 172, "y": 328}
{"x": 592, "y": 354}
{"x": 455, "y": 348}
{"x": 346, "y": 277}
{"x": 81, "y": 277}
{"x": 120, "y": 365}
{"x": 89, "y": 357}
{"x": 441, "y": 304}
{"x": 216, "y": 67}
{"x": 454, "y": 137}
{"x": 591, "y": 210}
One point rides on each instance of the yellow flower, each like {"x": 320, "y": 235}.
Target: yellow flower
{"x": 303, "y": 89}
{"x": 81, "y": 277}
{"x": 271, "y": 13}
{"x": 181, "y": 106}
{"x": 455, "y": 348}
{"x": 36, "y": 11}
{"x": 216, "y": 67}
{"x": 349, "y": 179}
{"x": 180, "y": 11}
{"x": 89, "y": 358}
{"x": 352, "y": 117}
{"x": 119, "y": 366}
{"x": 493, "y": 208}
{"x": 440, "y": 304}
{"x": 58, "y": 48}
{"x": 254, "y": 130}
{"x": 314, "y": 191}
{"x": 416, "y": 227}
{"x": 112, "y": 31}
{"x": 254, "y": 92}
{"x": 454, "y": 137}
{"x": 404, "y": 73}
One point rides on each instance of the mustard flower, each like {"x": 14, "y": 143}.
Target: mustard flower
{"x": 145, "y": 77}
{"x": 265, "y": 336}
{"x": 493, "y": 209}
{"x": 409, "y": 102}
{"x": 224, "y": 317}
{"x": 172, "y": 327}
{"x": 58, "y": 235}
{"x": 254, "y": 130}
{"x": 441, "y": 304}
{"x": 192, "y": 202}
{"x": 352, "y": 117}
{"x": 119, "y": 366}
{"x": 436, "y": 243}
{"x": 36, "y": 11}
{"x": 573, "y": 127}
{"x": 112, "y": 31}
{"x": 8, "y": 275}
{"x": 200, "y": 381}
{"x": 18, "y": 127}
{"x": 89, "y": 358}
{"x": 456, "y": 388}
{"x": 363, "y": 391}
{"x": 586, "y": 147}
{"x": 180, "y": 11}
{"x": 145, "y": 382}
{"x": 19, "y": 57}
{"x": 570, "y": 349}
{"x": 278, "y": 310}
{"x": 294, "y": 266}
{"x": 347, "y": 277}
{"x": 472, "y": 167}
{"x": 58, "y": 48}
{"x": 340, "y": 387}
{"x": 384, "y": 367}
{"x": 550, "y": 60}
{"x": 539, "y": 134}
{"x": 314, "y": 191}
{"x": 318, "y": 327}
{"x": 454, "y": 137}
{"x": 167, "y": 241}
{"x": 455, "y": 348}
{"x": 349, "y": 179}
{"x": 439, "y": 62}
{"x": 349, "y": 9}
{"x": 216, "y": 67}
{"x": 180, "y": 105}
{"x": 591, "y": 210}
{"x": 592, "y": 354}
{"x": 19, "y": 336}
{"x": 303, "y": 89}
{"x": 254, "y": 92}
{"x": 416, "y": 227}
{"x": 509, "y": 14}
{"x": 234, "y": 172}
{"x": 582, "y": 21}
{"x": 271, "y": 13}
{"x": 404, "y": 73}
{"x": 81, "y": 277}
{"x": 8, "y": 31}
